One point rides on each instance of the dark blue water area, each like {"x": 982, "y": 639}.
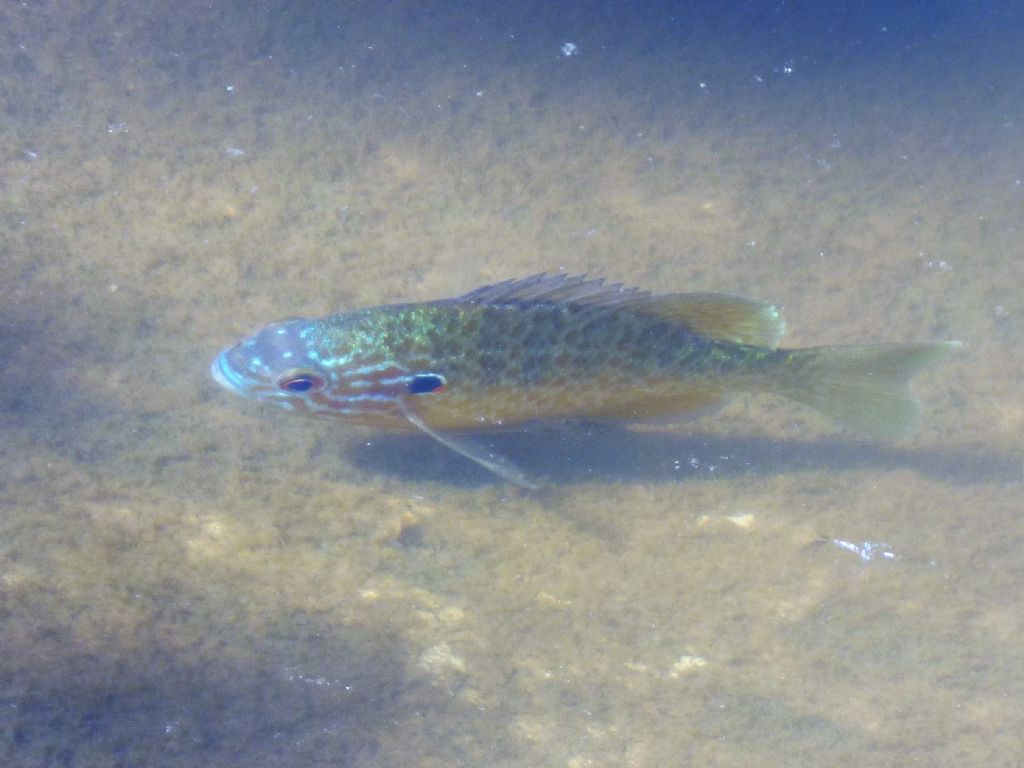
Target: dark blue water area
{"x": 812, "y": 41}
{"x": 818, "y": 34}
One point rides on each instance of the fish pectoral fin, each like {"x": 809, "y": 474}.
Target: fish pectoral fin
{"x": 499, "y": 465}
{"x": 720, "y": 316}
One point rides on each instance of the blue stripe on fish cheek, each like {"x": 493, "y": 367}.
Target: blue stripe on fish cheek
{"x": 341, "y": 362}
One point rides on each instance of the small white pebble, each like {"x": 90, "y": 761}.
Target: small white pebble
{"x": 687, "y": 663}
{"x": 744, "y": 521}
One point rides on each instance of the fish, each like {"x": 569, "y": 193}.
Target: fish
{"x": 562, "y": 348}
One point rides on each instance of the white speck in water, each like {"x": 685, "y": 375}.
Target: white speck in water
{"x": 867, "y": 550}
{"x": 235, "y": 152}
{"x": 569, "y": 49}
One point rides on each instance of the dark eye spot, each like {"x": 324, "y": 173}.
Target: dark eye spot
{"x": 300, "y": 382}
{"x": 422, "y": 383}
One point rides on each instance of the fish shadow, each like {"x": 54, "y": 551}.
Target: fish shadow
{"x": 610, "y": 453}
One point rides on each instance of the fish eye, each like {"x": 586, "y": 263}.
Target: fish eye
{"x": 422, "y": 383}
{"x": 300, "y": 381}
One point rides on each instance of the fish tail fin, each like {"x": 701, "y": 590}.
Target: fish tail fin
{"x": 865, "y": 387}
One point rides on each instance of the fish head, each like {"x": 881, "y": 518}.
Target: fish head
{"x": 274, "y": 365}
{"x": 289, "y": 364}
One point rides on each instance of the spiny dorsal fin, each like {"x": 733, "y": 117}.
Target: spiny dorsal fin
{"x": 720, "y": 316}
{"x": 554, "y": 289}
{"x": 713, "y": 315}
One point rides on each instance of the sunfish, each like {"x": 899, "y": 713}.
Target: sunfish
{"x": 557, "y": 348}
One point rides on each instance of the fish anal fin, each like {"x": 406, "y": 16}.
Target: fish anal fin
{"x": 720, "y": 316}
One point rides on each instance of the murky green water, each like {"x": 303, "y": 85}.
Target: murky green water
{"x": 188, "y": 579}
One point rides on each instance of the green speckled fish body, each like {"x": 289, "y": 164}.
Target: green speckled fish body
{"x": 561, "y": 348}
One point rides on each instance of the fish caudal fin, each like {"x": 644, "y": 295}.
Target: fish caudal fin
{"x": 865, "y": 387}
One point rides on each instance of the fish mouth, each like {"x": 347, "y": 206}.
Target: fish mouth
{"x": 225, "y": 375}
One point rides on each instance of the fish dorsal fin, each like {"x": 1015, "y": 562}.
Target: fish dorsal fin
{"x": 560, "y": 289}
{"x": 713, "y": 315}
{"x": 720, "y": 316}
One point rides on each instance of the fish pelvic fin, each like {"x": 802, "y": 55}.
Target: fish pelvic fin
{"x": 865, "y": 387}
{"x": 499, "y": 465}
